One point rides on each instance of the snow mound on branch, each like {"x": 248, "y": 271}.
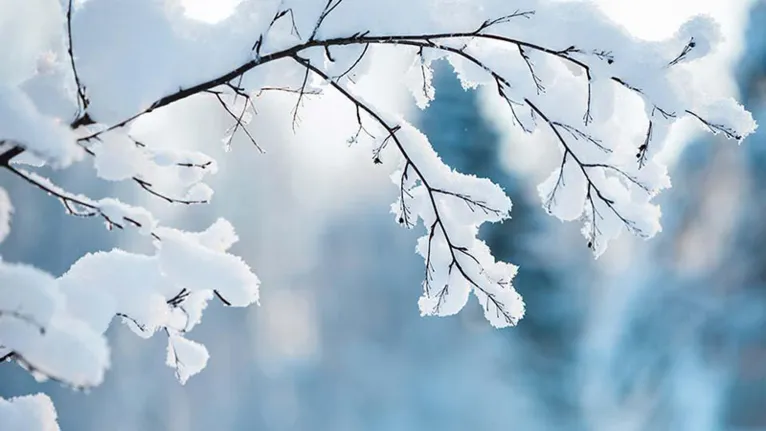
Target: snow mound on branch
{"x": 54, "y": 327}
{"x": 28, "y": 413}
{"x": 47, "y": 138}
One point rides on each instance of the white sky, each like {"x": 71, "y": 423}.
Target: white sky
{"x": 210, "y": 11}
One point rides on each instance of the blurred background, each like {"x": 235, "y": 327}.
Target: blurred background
{"x": 668, "y": 334}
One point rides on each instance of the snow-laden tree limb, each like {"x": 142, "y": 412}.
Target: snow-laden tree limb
{"x": 557, "y": 66}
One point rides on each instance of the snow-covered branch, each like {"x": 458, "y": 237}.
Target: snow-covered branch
{"x": 462, "y": 271}
{"x": 557, "y": 67}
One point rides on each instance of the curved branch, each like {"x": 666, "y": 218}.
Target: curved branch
{"x": 149, "y": 188}
{"x": 363, "y": 38}
{"x": 584, "y": 169}
{"x": 358, "y": 38}
{"x": 27, "y": 365}
{"x": 453, "y": 249}
{"x": 238, "y": 119}
{"x": 5, "y": 158}
{"x": 329, "y": 7}
{"x": 83, "y": 118}
{"x": 72, "y": 202}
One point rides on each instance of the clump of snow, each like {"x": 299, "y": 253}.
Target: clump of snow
{"x": 186, "y": 356}
{"x": 54, "y": 326}
{"x": 42, "y": 333}
{"x": 28, "y": 413}
{"x": 124, "y": 214}
{"x": 47, "y": 138}
{"x": 198, "y": 267}
{"x": 119, "y": 158}
{"x": 6, "y": 210}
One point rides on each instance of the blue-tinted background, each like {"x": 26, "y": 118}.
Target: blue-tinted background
{"x": 673, "y": 339}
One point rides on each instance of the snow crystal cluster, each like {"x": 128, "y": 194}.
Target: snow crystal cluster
{"x": 67, "y": 96}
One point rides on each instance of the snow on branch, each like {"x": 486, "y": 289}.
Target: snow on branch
{"x": 453, "y": 268}
{"x": 594, "y": 182}
{"x": 113, "y": 212}
{"x": 28, "y": 413}
{"x": 54, "y": 326}
{"x": 557, "y": 67}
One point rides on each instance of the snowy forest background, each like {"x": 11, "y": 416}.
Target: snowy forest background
{"x": 661, "y": 335}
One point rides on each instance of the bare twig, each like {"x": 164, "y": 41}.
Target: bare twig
{"x": 687, "y": 49}
{"x": 238, "y": 124}
{"x": 82, "y": 118}
{"x": 72, "y": 202}
{"x": 152, "y": 191}
{"x": 329, "y": 7}
{"x": 355, "y": 63}
{"x": 300, "y": 98}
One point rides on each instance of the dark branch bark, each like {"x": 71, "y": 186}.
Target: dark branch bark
{"x": 71, "y": 202}
{"x": 83, "y": 119}
{"x": 453, "y": 249}
{"x": 591, "y": 186}
{"x": 6, "y": 157}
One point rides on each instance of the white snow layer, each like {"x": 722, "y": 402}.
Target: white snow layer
{"x": 28, "y": 413}
{"x": 563, "y": 70}
{"x": 54, "y": 327}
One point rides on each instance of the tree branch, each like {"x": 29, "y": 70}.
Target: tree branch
{"x": 73, "y": 203}
{"x": 6, "y": 157}
{"x": 453, "y": 249}
{"x": 82, "y": 119}
{"x": 591, "y": 186}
